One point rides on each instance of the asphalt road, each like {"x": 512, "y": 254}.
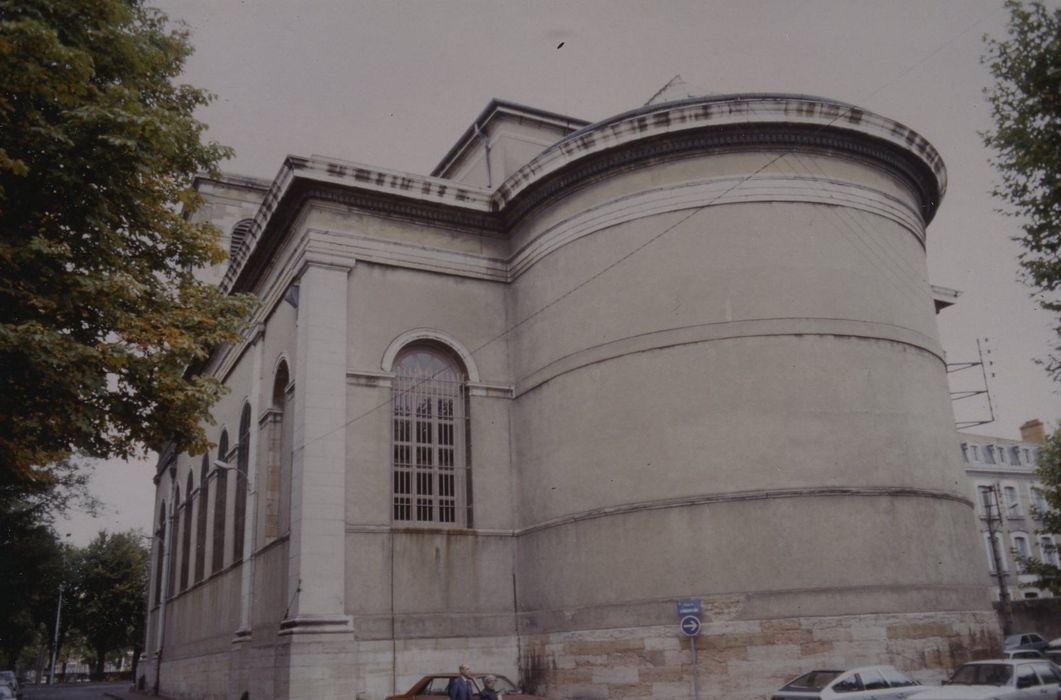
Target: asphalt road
{"x": 73, "y": 691}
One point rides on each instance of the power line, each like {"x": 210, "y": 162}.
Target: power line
{"x": 844, "y": 113}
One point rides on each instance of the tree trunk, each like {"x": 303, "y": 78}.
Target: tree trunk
{"x": 136, "y": 661}
{"x": 101, "y": 657}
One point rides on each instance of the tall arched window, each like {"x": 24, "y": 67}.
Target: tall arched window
{"x": 239, "y": 511}
{"x": 220, "y": 504}
{"x": 186, "y": 534}
{"x": 160, "y": 533}
{"x": 171, "y": 588}
{"x": 429, "y": 435}
{"x": 200, "y": 518}
{"x": 277, "y": 455}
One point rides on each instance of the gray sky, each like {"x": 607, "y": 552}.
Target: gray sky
{"x": 395, "y": 83}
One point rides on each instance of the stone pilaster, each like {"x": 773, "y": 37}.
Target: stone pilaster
{"x": 317, "y": 575}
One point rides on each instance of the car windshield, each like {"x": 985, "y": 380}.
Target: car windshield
{"x": 502, "y": 685}
{"x": 815, "y": 680}
{"x": 982, "y": 674}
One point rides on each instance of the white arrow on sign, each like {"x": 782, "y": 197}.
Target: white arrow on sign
{"x": 690, "y": 625}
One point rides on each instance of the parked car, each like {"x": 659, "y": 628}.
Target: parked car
{"x": 1023, "y": 654}
{"x": 1000, "y": 679}
{"x": 437, "y": 686}
{"x": 6, "y": 693}
{"x": 11, "y": 680}
{"x": 1026, "y": 640}
{"x": 864, "y": 683}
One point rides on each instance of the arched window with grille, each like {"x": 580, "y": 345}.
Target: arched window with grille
{"x": 186, "y": 534}
{"x": 239, "y": 234}
{"x": 277, "y": 454}
{"x": 220, "y": 505}
{"x": 429, "y": 438}
{"x": 200, "y": 518}
{"x": 239, "y": 511}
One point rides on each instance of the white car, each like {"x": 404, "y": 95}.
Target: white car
{"x": 864, "y": 683}
{"x": 1000, "y": 679}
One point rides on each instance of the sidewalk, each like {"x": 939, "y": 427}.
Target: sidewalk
{"x": 131, "y": 693}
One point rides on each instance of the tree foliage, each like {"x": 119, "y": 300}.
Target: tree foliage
{"x": 1050, "y": 473}
{"x": 1026, "y": 109}
{"x": 1026, "y": 139}
{"x": 108, "y": 594}
{"x": 100, "y": 310}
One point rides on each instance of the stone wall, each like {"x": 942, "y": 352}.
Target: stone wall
{"x": 740, "y": 660}
{"x": 1042, "y": 615}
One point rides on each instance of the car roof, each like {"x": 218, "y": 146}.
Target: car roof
{"x": 1003, "y": 661}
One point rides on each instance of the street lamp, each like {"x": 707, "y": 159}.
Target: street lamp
{"x": 55, "y": 644}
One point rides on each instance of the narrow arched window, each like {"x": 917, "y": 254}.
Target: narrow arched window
{"x": 200, "y": 518}
{"x": 239, "y": 512}
{"x": 429, "y": 435}
{"x": 160, "y": 534}
{"x": 239, "y": 234}
{"x": 277, "y": 455}
{"x": 186, "y": 534}
{"x": 220, "y": 505}
{"x": 171, "y": 588}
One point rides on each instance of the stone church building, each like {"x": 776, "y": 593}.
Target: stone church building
{"x": 510, "y": 412}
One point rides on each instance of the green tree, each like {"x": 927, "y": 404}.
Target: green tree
{"x": 1050, "y": 473}
{"x": 33, "y": 562}
{"x": 100, "y": 309}
{"x": 1026, "y": 138}
{"x": 108, "y": 594}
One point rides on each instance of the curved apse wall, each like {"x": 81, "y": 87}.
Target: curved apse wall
{"x": 748, "y": 395}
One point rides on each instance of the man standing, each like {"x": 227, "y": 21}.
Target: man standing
{"x": 462, "y": 688}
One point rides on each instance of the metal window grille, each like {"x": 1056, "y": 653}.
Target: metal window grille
{"x": 429, "y": 438}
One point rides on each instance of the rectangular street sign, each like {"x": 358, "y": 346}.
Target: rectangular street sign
{"x": 689, "y": 606}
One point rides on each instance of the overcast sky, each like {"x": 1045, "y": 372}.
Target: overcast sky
{"x": 394, "y": 84}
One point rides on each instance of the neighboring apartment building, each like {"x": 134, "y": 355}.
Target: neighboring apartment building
{"x": 1003, "y": 483}
{"x": 510, "y": 412}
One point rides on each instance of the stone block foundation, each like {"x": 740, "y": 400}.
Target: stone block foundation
{"x": 742, "y": 660}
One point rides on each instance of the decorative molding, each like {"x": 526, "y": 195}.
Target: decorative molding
{"x": 727, "y": 330}
{"x": 682, "y": 502}
{"x": 775, "y": 121}
{"x": 716, "y": 191}
{"x": 422, "y": 257}
{"x": 439, "y": 336}
{"x": 381, "y": 380}
{"x": 491, "y": 391}
{"x": 706, "y": 192}
{"x": 745, "y": 496}
{"x": 317, "y": 624}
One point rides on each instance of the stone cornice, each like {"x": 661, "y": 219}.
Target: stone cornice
{"x": 793, "y": 121}
{"x": 668, "y": 130}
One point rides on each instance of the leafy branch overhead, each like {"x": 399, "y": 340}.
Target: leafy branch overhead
{"x": 1026, "y": 139}
{"x": 100, "y": 310}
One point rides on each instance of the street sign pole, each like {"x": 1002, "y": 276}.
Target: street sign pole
{"x": 689, "y": 611}
{"x": 696, "y": 682}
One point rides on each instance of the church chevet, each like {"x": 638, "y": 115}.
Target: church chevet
{"x": 511, "y": 413}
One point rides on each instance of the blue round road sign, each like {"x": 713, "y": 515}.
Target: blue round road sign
{"x": 690, "y": 625}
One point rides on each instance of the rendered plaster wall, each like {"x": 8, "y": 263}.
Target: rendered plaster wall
{"x": 388, "y": 668}
{"x": 435, "y": 582}
{"x": 741, "y": 378}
